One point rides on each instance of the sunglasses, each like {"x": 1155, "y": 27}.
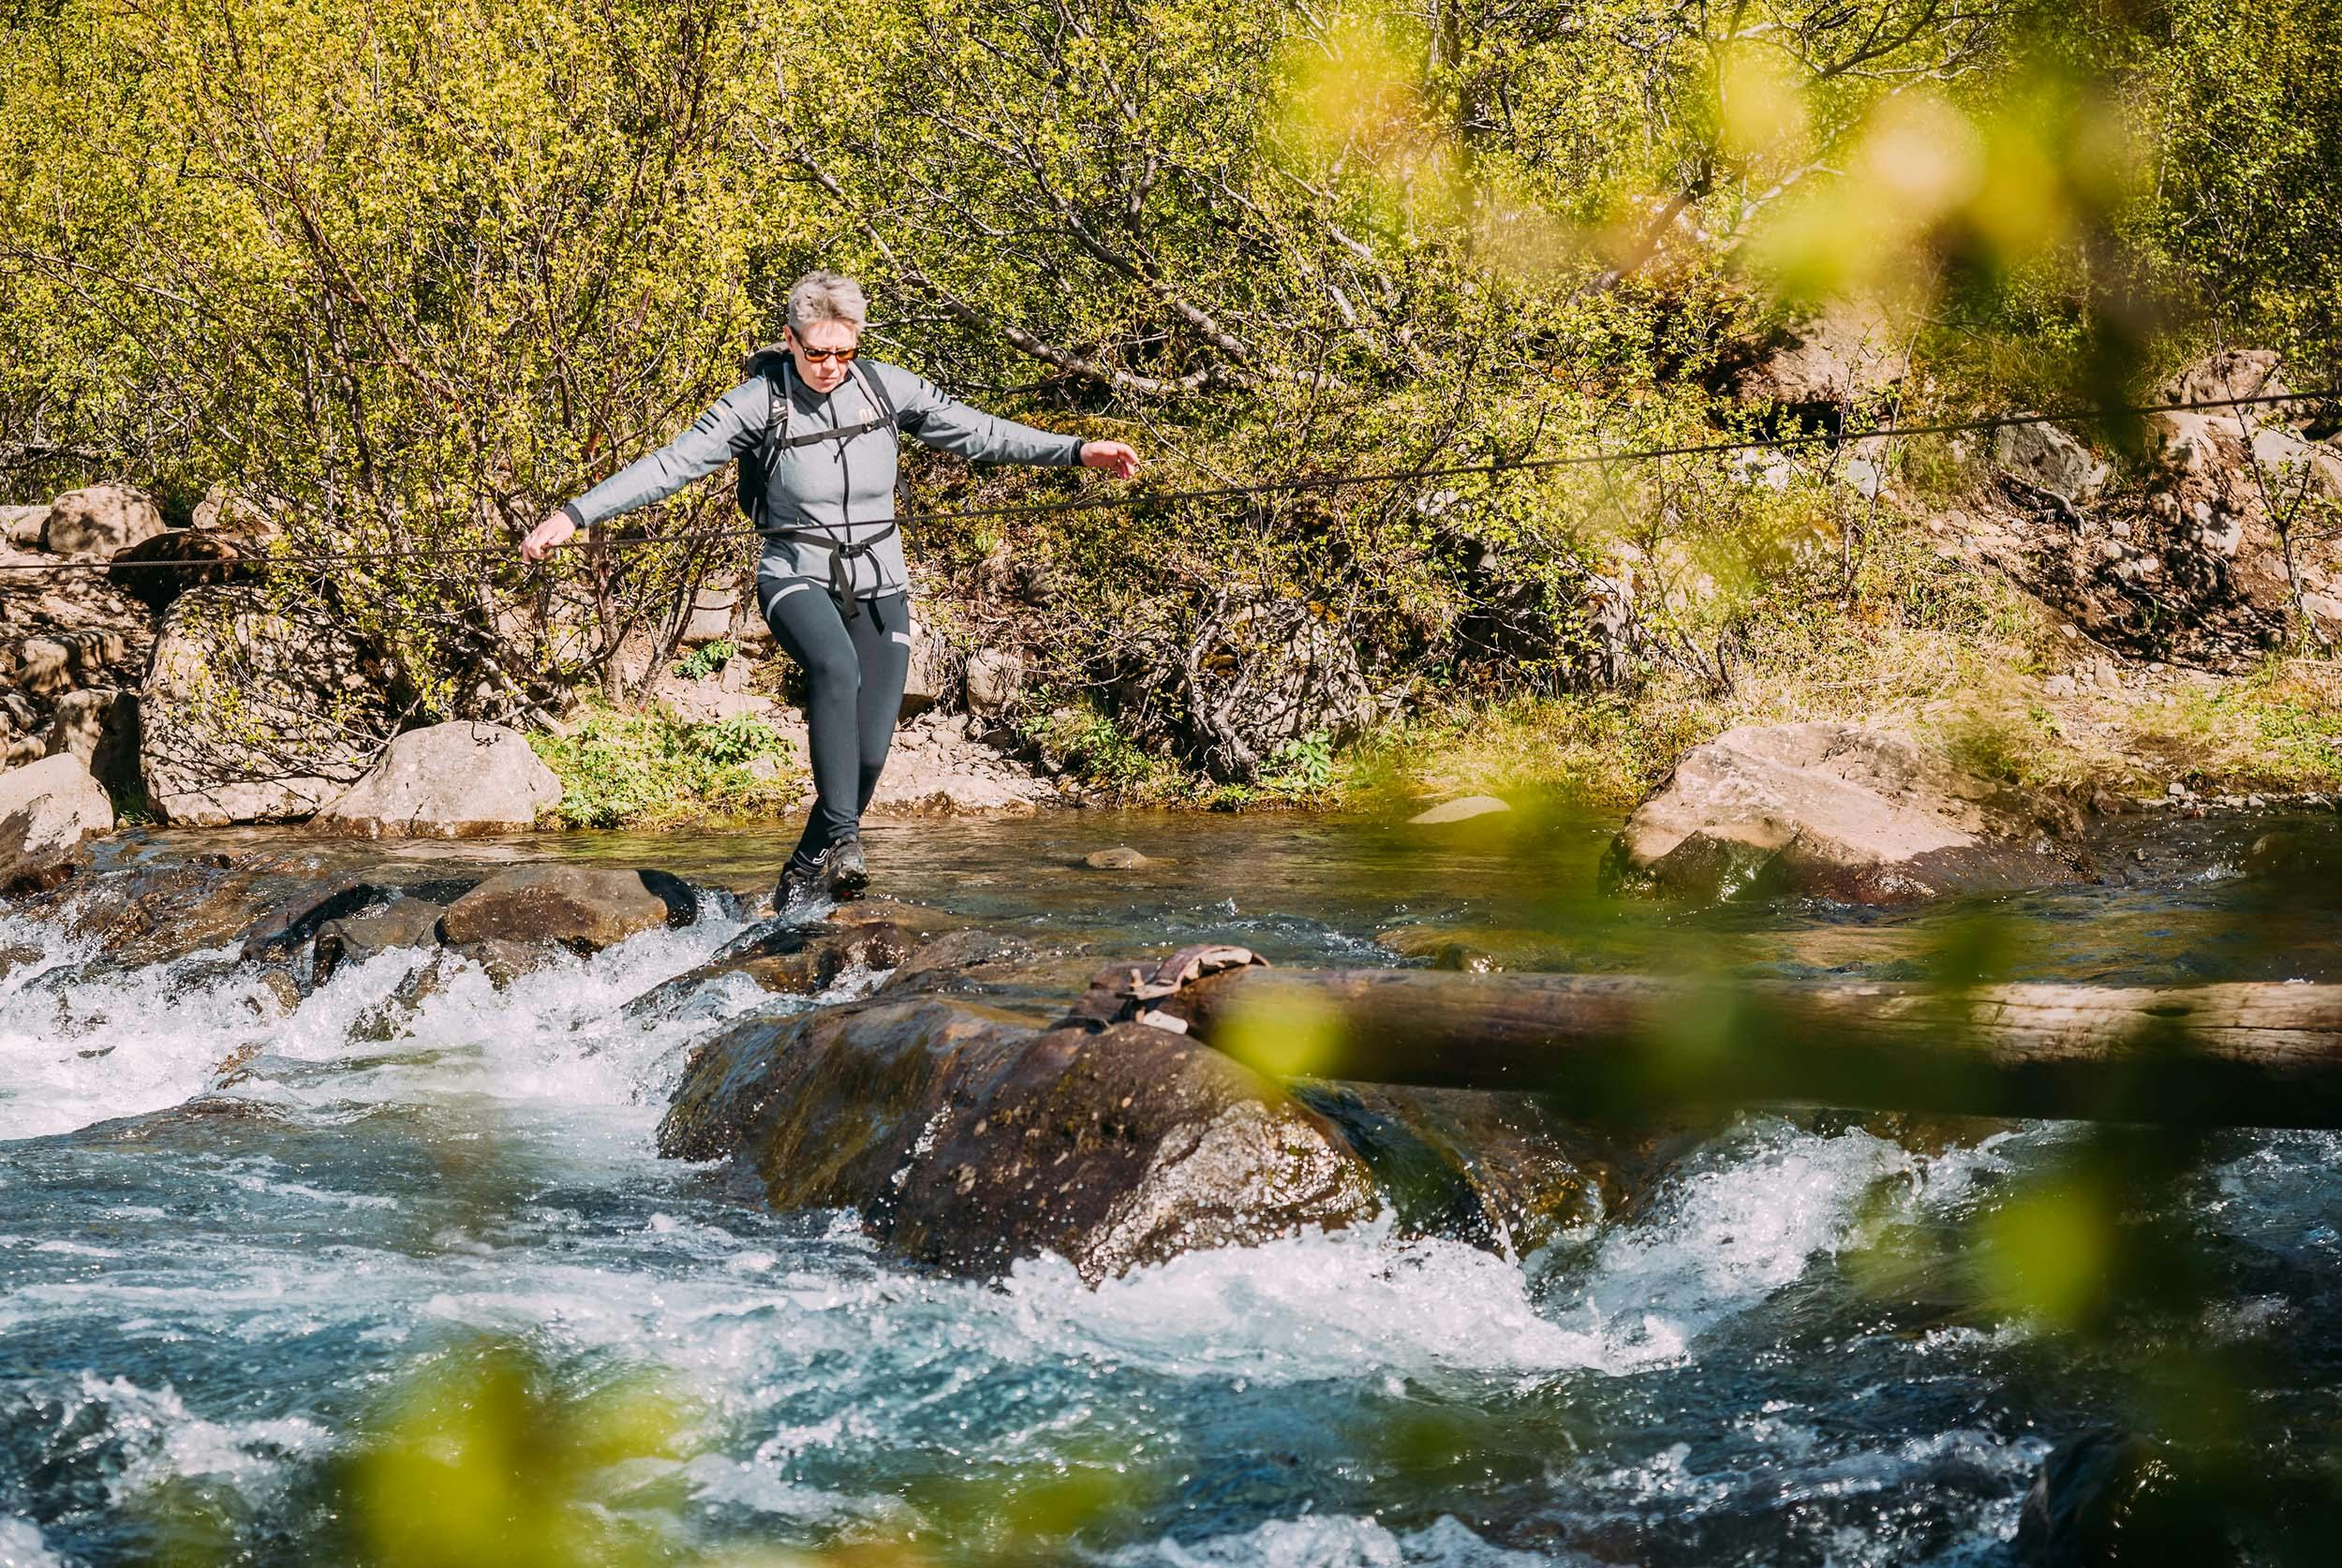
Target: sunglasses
{"x": 819, "y": 356}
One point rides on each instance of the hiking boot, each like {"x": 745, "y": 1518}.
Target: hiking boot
{"x": 847, "y": 875}
{"x": 802, "y": 884}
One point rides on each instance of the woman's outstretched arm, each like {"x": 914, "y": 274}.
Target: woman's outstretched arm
{"x": 950, "y": 425}
{"x": 732, "y": 425}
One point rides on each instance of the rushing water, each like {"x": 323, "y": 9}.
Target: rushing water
{"x": 209, "y": 1291}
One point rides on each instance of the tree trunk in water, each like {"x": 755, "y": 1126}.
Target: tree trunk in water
{"x": 2234, "y": 1056}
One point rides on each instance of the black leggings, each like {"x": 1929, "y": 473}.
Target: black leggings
{"x": 854, "y": 671}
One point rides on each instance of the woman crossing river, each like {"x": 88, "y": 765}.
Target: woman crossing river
{"x": 814, "y": 430}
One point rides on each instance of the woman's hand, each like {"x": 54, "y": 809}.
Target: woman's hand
{"x": 548, "y": 536}
{"x": 1113, "y": 456}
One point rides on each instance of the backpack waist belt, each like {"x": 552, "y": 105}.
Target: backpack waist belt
{"x": 841, "y": 552}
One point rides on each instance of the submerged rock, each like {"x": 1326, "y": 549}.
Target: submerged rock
{"x": 1832, "y": 811}
{"x": 1120, "y": 858}
{"x": 966, "y": 1139}
{"x": 1459, "y": 810}
{"x": 459, "y": 780}
{"x": 2115, "y": 1499}
{"x": 403, "y": 921}
{"x": 585, "y": 909}
{"x": 47, "y": 809}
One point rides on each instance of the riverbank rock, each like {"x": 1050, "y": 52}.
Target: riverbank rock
{"x": 937, "y": 768}
{"x": 2201, "y": 560}
{"x": 47, "y": 809}
{"x": 968, "y": 1140}
{"x": 155, "y": 571}
{"x": 255, "y": 711}
{"x": 584, "y": 908}
{"x": 1832, "y": 811}
{"x": 460, "y": 780}
{"x": 93, "y": 525}
{"x": 101, "y": 726}
{"x": 1817, "y": 365}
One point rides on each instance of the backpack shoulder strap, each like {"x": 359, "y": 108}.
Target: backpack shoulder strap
{"x": 874, "y": 389}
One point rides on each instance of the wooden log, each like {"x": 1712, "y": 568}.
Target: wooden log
{"x": 2232, "y": 1055}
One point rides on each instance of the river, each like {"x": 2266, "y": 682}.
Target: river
{"x": 1778, "y": 1355}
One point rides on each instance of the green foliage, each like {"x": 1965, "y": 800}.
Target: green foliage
{"x": 1090, "y": 747}
{"x": 650, "y": 770}
{"x": 1302, "y": 768}
{"x": 705, "y": 660}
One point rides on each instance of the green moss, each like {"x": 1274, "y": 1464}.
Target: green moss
{"x": 649, "y": 769}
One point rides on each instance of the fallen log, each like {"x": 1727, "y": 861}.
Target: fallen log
{"x": 2226, "y": 1055}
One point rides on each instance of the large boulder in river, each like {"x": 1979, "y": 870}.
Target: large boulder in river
{"x": 968, "y": 1139}
{"x": 583, "y": 908}
{"x": 92, "y": 525}
{"x": 256, "y": 709}
{"x": 1833, "y": 811}
{"x": 459, "y": 780}
{"x": 46, "y": 810}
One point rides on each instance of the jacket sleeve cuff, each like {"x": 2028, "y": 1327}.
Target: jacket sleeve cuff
{"x": 577, "y": 518}
{"x": 1073, "y": 458}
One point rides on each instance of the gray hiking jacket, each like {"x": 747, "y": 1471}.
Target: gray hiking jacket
{"x": 845, "y": 487}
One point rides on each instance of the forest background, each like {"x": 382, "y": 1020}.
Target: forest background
{"x": 406, "y": 273}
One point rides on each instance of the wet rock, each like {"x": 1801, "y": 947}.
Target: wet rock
{"x": 1831, "y": 811}
{"x": 249, "y": 710}
{"x": 295, "y": 920}
{"x": 353, "y": 938}
{"x": 584, "y": 908}
{"x": 2303, "y": 858}
{"x": 47, "y": 809}
{"x": 1120, "y": 858}
{"x": 967, "y": 1140}
{"x": 459, "y": 780}
{"x": 1498, "y": 1171}
{"x": 998, "y": 971}
{"x": 1459, "y": 810}
{"x": 961, "y": 950}
{"x": 94, "y": 523}
{"x": 2117, "y": 1500}
{"x": 915, "y": 918}
{"x": 19, "y": 956}
{"x": 790, "y": 960}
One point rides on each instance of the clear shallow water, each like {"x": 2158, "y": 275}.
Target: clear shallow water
{"x": 215, "y": 1298}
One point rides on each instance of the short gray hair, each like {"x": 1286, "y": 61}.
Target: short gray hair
{"x": 824, "y": 296}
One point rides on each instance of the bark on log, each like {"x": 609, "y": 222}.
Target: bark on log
{"x": 2229, "y": 1056}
